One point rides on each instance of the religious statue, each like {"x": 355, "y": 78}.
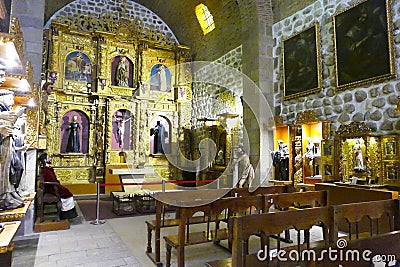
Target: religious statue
{"x": 74, "y": 144}
{"x": 311, "y": 155}
{"x": 159, "y": 138}
{"x": 280, "y": 159}
{"x": 245, "y": 169}
{"x": 122, "y": 74}
{"x": 162, "y": 78}
{"x": 11, "y": 168}
{"x": 358, "y": 156}
{"x": 220, "y": 160}
{"x": 119, "y": 128}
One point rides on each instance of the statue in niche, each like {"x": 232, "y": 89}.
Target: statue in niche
{"x": 159, "y": 138}
{"x": 358, "y": 157}
{"x": 311, "y": 154}
{"x": 73, "y": 144}
{"x": 122, "y": 73}
{"x": 162, "y": 78}
{"x": 280, "y": 159}
{"x": 119, "y": 123}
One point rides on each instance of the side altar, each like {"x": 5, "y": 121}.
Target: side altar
{"x": 110, "y": 84}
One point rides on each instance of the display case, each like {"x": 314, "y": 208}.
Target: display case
{"x": 391, "y": 160}
{"x": 282, "y": 150}
{"x": 358, "y": 154}
{"x": 309, "y": 163}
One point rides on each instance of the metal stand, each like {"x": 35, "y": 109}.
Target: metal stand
{"x": 97, "y": 221}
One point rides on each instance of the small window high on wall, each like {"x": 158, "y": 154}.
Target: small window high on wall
{"x": 205, "y": 18}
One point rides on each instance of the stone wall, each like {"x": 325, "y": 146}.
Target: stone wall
{"x": 220, "y": 94}
{"x": 374, "y": 104}
{"x": 31, "y": 16}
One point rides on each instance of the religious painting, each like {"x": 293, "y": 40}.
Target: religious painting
{"x": 301, "y": 63}
{"x": 160, "y": 78}
{"x": 5, "y": 15}
{"x": 391, "y": 171}
{"x": 74, "y": 133}
{"x": 389, "y": 147}
{"x": 78, "y": 67}
{"x": 122, "y": 71}
{"x": 363, "y": 44}
{"x": 121, "y": 130}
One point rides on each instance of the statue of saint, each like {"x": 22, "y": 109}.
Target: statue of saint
{"x": 280, "y": 159}
{"x": 358, "y": 156}
{"x": 159, "y": 138}
{"x": 311, "y": 154}
{"x": 245, "y": 169}
{"x": 122, "y": 74}
{"x": 162, "y": 78}
{"x": 73, "y": 144}
{"x": 11, "y": 168}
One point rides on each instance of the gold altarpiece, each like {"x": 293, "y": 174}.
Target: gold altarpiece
{"x": 84, "y": 55}
{"x": 379, "y": 156}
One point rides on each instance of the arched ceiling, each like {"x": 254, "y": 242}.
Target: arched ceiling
{"x": 180, "y": 17}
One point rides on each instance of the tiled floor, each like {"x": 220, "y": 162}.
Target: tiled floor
{"x": 118, "y": 242}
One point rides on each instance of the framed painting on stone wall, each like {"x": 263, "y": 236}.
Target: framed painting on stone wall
{"x": 301, "y": 63}
{"x": 5, "y": 15}
{"x": 363, "y": 44}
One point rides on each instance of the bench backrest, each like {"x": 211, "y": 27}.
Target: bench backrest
{"x": 382, "y": 215}
{"x": 240, "y": 192}
{"x": 238, "y": 205}
{"x": 307, "y": 199}
{"x": 268, "y": 224}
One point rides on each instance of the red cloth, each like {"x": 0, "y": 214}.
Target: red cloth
{"x": 50, "y": 176}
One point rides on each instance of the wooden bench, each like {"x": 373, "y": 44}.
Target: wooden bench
{"x": 376, "y": 212}
{"x": 225, "y": 207}
{"x": 179, "y": 196}
{"x": 297, "y": 200}
{"x": 381, "y": 216}
{"x": 269, "y": 224}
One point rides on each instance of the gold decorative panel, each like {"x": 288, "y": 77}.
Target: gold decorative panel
{"x": 83, "y": 75}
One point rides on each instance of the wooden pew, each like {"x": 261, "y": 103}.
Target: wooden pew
{"x": 382, "y": 216}
{"x": 179, "y": 197}
{"x": 225, "y": 207}
{"x": 299, "y": 200}
{"x": 386, "y": 246}
{"x": 273, "y": 224}
{"x": 353, "y": 214}
{"x": 341, "y": 194}
{"x": 241, "y": 192}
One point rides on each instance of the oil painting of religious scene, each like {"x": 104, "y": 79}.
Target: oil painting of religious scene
{"x": 5, "y": 10}
{"x": 78, "y": 67}
{"x": 363, "y": 44}
{"x": 160, "y": 78}
{"x": 301, "y": 63}
{"x": 121, "y": 129}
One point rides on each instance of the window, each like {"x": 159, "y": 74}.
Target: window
{"x": 205, "y": 18}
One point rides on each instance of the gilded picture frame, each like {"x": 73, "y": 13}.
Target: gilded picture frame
{"x": 391, "y": 172}
{"x": 302, "y": 73}
{"x": 363, "y": 44}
